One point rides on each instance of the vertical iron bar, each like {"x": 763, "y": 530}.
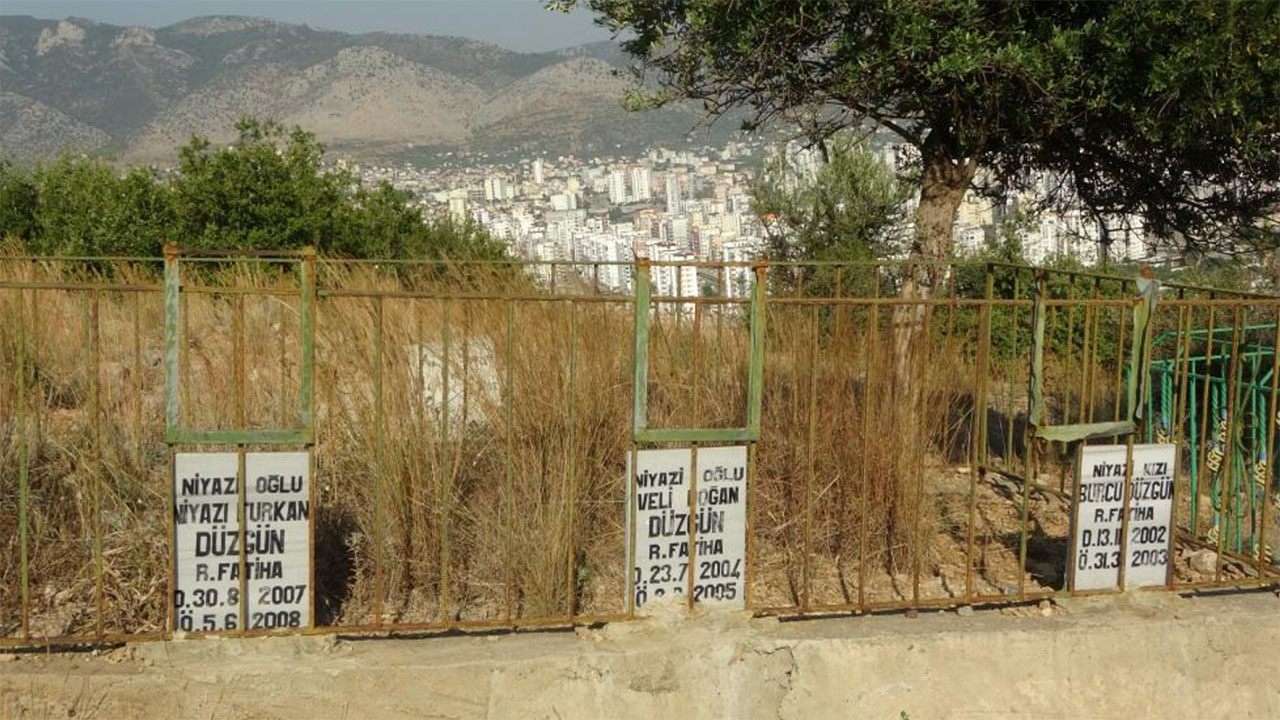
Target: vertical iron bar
{"x": 1179, "y": 357}
{"x": 755, "y": 380}
{"x": 188, "y": 407}
{"x": 169, "y": 619}
{"x": 1008, "y": 444}
{"x": 24, "y": 491}
{"x": 137, "y": 381}
{"x": 1184, "y": 391}
{"x": 306, "y": 399}
{"x": 1115, "y": 411}
{"x": 919, "y": 413}
{"x": 1074, "y": 521}
{"x": 282, "y": 401}
{"x": 1126, "y": 497}
{"x": 1229, "y": 445}
{"x": 977, "y": 464}
{"x": 174, "y": 324}
{"x": 1204, "y": 419}
{"x": 1028, "y": 459}
{"x": 1177, "y": 436}
{"x": 1091, "y": 379}
{"x": 379, "y": 499}
{"x": 172, "y": 361}
{"x": 750, "y": 539}
{"x": 864, "y": 479}
{"x": 1270, "y": 419}
{"x": 509, "y": 520}
{"x": 1070, "y": 346}
{"x": 692, "y": 568}
{"x": 948, "y": 427}
{"x": 631, "y": 531}
{"x": 95, "y": 429}
{"x": 242, "y": 520}
{"x": 37, "y": 409}
{"x": 1085, "y": 355}
{"x": 307, "y": 327}
{"x": 807, "y": 548}
{"x": 446, "y": 483}
{"x": 241, "y": 480}
{"x": 640, "y": 357}
{"x": 696, "y": 368}
{"x": 466, "y": 381}
{"x": 573, "y": 451}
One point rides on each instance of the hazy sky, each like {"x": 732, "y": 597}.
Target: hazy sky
{"x": 515, "y": 24}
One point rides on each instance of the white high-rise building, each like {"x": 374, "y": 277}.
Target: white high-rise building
{"x": 680, "y": 231}
{"x": 538, "y": 174}
{"x": 673, "y": 194}
{"x": 641, "y": 180}
{"x": 496, "y": 187}
{"x": 617, "y": 187}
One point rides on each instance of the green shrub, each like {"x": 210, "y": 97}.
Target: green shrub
{"x": 270, "y": 190}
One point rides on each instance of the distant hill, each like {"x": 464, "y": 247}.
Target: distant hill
{"x": 139, "y": 93}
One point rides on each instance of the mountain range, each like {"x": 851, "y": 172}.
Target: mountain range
{"x": 137, "y": 93}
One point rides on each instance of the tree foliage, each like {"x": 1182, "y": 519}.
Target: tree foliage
{"x": 83, "y": 206}
{"x": 17, "y": 201}
{"x": 1166, "y": 110}
{"x": 847, "y": 208}
{"x": 269, "y": 190}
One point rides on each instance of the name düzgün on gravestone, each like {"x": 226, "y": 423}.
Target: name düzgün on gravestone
{"x": 659, "y": 500}
{"x": 1100, "y": 516}
{"x": 207, "y": 544}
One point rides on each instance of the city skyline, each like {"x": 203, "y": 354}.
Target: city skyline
{"x": 690, "y": 205}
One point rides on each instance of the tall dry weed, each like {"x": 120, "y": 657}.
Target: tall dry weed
{"x": 470, "y": 453}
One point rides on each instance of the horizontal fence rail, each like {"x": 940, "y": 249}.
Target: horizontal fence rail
{"x": 471, "y": 425}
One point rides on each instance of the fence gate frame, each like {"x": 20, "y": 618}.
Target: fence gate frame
{"x": 240, "y": 436}
{"x": 642, "y": 433}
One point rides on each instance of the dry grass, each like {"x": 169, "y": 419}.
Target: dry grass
{"x": 503, "y": 494}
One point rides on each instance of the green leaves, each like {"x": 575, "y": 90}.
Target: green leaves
{"x": 269, "y": 190}
{"x": 81, "y": 206}
{"x": 1145, "y": 107}
{"x": 849, "y": 209}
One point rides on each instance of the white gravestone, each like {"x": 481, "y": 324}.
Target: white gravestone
{"x": 659, "y": 498}
{"x": 206, "y": 594}
{"x": 278, "y": 539}
{"x": 1100, "y": 516}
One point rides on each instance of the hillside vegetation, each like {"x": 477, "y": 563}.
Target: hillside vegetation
{"x": 270, "y": 190}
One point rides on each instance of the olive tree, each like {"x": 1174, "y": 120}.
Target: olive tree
{"x": 1161, "y": 110}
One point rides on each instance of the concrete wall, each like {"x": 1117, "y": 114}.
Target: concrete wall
{"x": 1150, "y": 655}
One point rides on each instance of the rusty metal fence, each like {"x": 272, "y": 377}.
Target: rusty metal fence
{"x": 470, "y": 425}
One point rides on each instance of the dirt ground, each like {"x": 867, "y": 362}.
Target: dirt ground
{"x": 1140, "y": 655}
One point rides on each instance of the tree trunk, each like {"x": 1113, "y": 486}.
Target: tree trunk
{"x": 943, "y": 185}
